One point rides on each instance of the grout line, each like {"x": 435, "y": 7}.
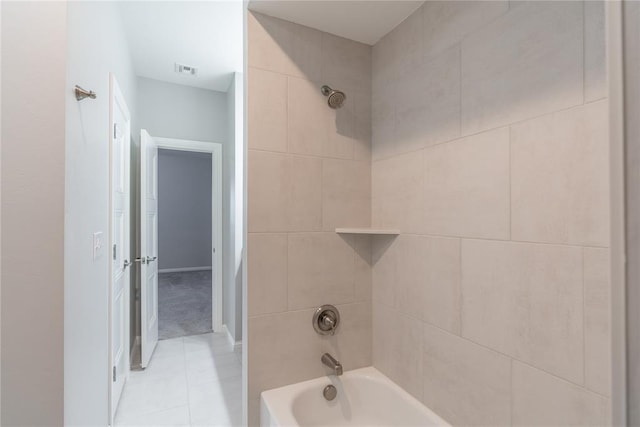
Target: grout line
{"x": 511, "y": 387}
{"x": 503, "y": 354}
{"x": 584, "y": 53}
{"x": 460, "y": 297}
{"x": 584, "y": 324}
{"x": 503, "y": 125}
{"x": 510, "y": 177}
{"x": 460, "y": 88}
{"x": 488, "y": 239}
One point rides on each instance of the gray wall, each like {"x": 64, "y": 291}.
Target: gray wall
{"x": 184, "y": 209}
{"x": 175, "y": 111}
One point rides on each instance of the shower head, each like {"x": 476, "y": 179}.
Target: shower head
{"x": 336, "y": 97}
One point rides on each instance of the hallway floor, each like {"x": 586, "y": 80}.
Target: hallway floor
{"x": 184, "y": 303}
{"x": 191, "y": 381}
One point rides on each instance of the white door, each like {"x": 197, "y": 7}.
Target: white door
{"x": 148, "y": 245}
{"x": 120, "y": 141}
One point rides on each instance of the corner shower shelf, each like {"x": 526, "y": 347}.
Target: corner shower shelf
{"x": 370, "y": 231}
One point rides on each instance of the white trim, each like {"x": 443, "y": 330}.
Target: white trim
{"x": 215, "y": 148}
{"x": 135, "y": 352}
{"x": 117, "y": 97}
{"x": 235, "y": 344}
{"x": 183, "y": 269}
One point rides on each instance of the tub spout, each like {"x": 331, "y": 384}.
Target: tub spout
{"x": 332, "y": 363}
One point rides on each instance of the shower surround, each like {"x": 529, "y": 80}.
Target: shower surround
{"x": 309, "y": 171}
{"x": 490, "y": 153}
{"x": 479, "y": 129}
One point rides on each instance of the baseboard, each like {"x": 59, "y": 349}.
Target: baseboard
{"x": 183, "y": 269}
{"x": 235, "y": 344}
{"x": 134, "y": 359}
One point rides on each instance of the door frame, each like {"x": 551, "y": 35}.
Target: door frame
{"x": 215, "y": 149}
{"x": 116, "y": 97}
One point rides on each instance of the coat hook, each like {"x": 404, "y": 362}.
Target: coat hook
{"x": 83, "y": 93}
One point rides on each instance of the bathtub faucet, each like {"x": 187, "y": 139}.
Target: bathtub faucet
{"x": 332, "y": 363}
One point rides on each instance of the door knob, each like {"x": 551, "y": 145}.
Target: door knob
{"x": 126, "y": 264}
{"x": 149, "y": 259}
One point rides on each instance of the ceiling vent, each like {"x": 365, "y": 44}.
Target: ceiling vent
{"x": 186, "y": 69}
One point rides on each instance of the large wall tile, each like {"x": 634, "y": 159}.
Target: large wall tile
{"x": 411, "y": 271}
{"x": 597, "y": 332}
{"x": 525, "y": 300}
{"x": 285, "y": 192}
{"x": 267, "y": 273}
{"x": 268, "y": 191}
{"x": 465, "y": 383}
{"x": 384, "y": 259}
{"x": 308, "y": 118}
{"x": 441, "y": 306}
{"x": 363, "y": 132}
{"x": 560, "y": 177}
{"x": 267, "y": 110}
{"x": 425, "y": 281}
{"x": 314, "y": 128}
{"x": 284, "y": 47}
{"x": 363, "y": 267}
{"x": 321, "y": 270}
{"x": 528, "y": 62}
{"x": 346, "y": 194}
{"x": 595, "y": 55}
{"x": 397, "y": 186}
{"x": 285, "y": 349}
{"x": 400, "y": 48}
{"x": 428, "y": 102}
{"x": 540, "y": 399}
{"x": 447, "y": 22}
{"x": 466, "y": 186}
{"x": 397, "y": 347}
{"x": 383, "y": 116}
{"x": 305, "y": 212}
{"x": 346, "y": 64}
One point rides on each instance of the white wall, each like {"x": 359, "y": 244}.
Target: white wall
{"x": 232, "y": 242}
{"x": 96, "y": 46}
{"x": 33, "y": 83}
{"x": 174, "y": 111}
{"x": 184, "y": 209}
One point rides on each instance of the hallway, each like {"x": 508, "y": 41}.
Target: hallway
{"x": 191, "y": 381}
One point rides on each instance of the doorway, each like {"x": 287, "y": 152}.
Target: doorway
{"x": 192, "y": 225}
{"x": 185, "y": 246}
{"x": 189, "y": 237}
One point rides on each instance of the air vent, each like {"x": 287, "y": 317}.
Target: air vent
{"x": 186, "y": 69}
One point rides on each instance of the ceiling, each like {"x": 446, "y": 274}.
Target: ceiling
{"x": 366, "y": 21}
{"x": 203, "y": 34}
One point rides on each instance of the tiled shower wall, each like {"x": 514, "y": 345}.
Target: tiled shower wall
{"x": 490, "y": 154}
{"x": 309, "y": 172}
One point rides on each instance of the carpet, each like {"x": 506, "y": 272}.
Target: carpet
{"x": 184, "y": 304}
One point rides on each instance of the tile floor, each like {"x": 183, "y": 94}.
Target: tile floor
{"x": 191, "y": 381}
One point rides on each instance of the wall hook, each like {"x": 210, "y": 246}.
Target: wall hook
{"x": 83, "y": 93}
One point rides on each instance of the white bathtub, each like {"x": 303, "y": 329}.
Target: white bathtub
{"x": 365, "y": 398}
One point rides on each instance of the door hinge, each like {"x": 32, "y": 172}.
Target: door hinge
{"x": 114, "y": 252}
{"x": 114, "y": 374}
{"x": 115, "y": 131}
